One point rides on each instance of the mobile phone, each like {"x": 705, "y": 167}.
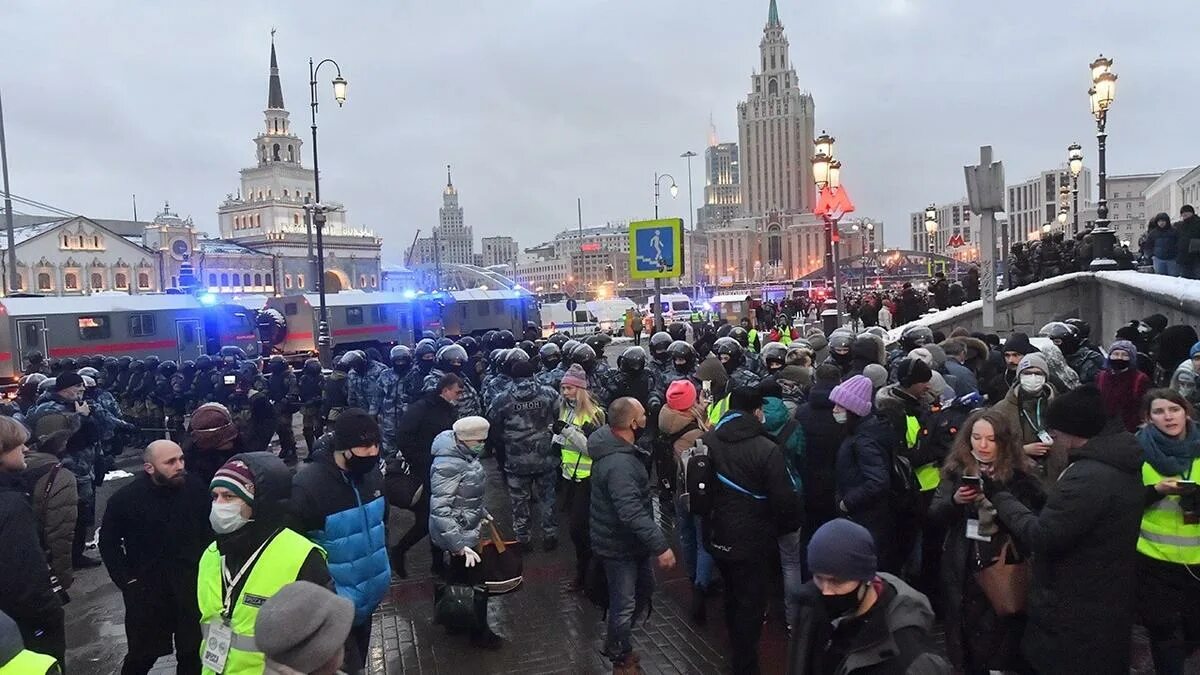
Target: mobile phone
{"x": 706, "y": 387}
{"x": 1188, "y": 486}
{"x": 230, "y": 379}
{"x": 973, "y": 481}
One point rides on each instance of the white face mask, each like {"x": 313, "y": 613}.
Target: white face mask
{"x": 839, "y": 416}
{"x": 1032, "y": 382}
{"x": 226, "y": 517}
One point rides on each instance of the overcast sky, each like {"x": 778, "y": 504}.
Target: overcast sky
{"x": 537, "y": 102}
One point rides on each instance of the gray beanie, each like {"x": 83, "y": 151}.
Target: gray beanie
{"x": 844, "y": 550}
{"x": 877, "y": 373}
{"x": 303, "y": 625}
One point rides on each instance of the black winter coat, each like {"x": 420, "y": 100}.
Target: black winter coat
{"x": 25, "y": 593}
{"x": 864, "y": 483}
{"x": 818, "y": 472}
{"x": 621, "y": 519}
{"x": 429, "y": 416}
{"x": 741, "y": 527}
{"x": 1081, "y": 604}
{"x": 155, "y": 534}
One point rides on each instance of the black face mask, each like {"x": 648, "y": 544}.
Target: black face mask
{"x": 360, "y": 466}
{"x": 1119, "y": 365}
{"x": 837, "y": 606}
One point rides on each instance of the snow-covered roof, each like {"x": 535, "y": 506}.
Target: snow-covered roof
{"x": 354, "y": 297}
{"x": 481, "y": 294}
{"x": 99, "y": 302}
{"x": 223, "y": 246}
{"x": 730, "y": 297}
{"x": 24, "y": 234}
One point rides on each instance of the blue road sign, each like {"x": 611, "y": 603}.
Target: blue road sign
{"x": 571, "y": 304}
{"x": 656, "y": 248}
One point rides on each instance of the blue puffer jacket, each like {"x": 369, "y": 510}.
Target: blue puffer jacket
{"x": 455, "y": 495}
{"x": 346, "y": 518}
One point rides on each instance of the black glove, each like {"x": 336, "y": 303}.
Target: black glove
{"x": 991, "y": 487}
{"x": 558, "y": 426}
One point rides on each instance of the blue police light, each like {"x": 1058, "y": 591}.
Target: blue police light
{"x": 207, "y": 299}
{"x": 707, "y": 306}
{"x": 409, "y": 294}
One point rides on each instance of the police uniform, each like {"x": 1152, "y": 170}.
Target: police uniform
{"x": 521, "y": 419}
{"x": 390, "y": 406}
{"x": 284, "y": 392}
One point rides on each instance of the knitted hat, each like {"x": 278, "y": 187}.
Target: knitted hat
{"x": 711, "y": 369}
{"x": 923, "y": 354}
{"x": 473, "y": 428}
{"x": 796, "y": 374}
{"x": 844, "y": 550}
{"x": 854, "y": 394}
{"x": 523, "y": 369}
{"x": 303, "y": 625}
{"x": 1019, "y": 343}
{"x": 574, "y": 377}
{"x": 681, "y": 395}
{"x": 1033, "y": 361}
{"x": 913, "y": 371}
{"x": 1124, "y": 346}
{"x": 877, "y": 374}
{"x": 67, "y": 379}
{"x": 212, "y": 427}
{"x": 355, "y": 428}
{"x": 236, "y": 477}
{"x": 1079, "y": 412}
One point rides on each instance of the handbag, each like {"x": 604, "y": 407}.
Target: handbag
{"x": 503, "y": 568}
{"x": 1006, "y": 584}
{"x": 403, "y": 489}
{"x": 454, "y": 605}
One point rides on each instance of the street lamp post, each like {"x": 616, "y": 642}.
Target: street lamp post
{"x": 14, "y": 276}
{"x": 832, "y": 204}
{"x": 324, "y": 343}
{"x": 931, "y": 228}
{"x": 691, "y": 262}
{"x": 1075, "y": 162}
{"x": 1102, "y": 93}
{"x": 674, "y": 188}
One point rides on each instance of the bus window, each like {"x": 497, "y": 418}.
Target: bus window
{"x": 290, "y": 309}
{"x": 379, "y": 314}
{"x": 94, "y": 328}
{"x": 141, "y": 325}
{"x": 681, "y": 305}
{"x": 354, "y": 316}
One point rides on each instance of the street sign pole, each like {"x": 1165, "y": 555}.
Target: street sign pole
{"x": 655, "y": 252}
{"x": 985, "y": 193}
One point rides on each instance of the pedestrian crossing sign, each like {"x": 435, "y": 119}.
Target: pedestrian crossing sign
{"x": 656, "y": 248}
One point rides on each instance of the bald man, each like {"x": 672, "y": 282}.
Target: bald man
{"x": 155, "y": 529}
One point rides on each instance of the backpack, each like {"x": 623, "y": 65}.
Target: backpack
{"x": 663, "y": 456}
{"x": 698, "y": 479}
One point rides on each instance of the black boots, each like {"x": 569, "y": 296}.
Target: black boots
{"x": 699, "y": 608}
{"x": 396, "y": 556}
{"x": 482, "y": 635}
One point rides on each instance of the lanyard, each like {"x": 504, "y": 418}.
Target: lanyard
{"x": 1038, "y": 425}
{"x": 229, "y": 584}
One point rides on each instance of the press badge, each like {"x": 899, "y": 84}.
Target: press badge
{"x": 216, "y": 646}
{"x": 1045, "y": 437}
{"x": 973, "y": 531}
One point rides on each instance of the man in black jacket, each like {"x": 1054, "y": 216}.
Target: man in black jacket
{"x": 753, "y": 503}
{"x": 822, "y": 438}
{"x": 623, "y": 532}
{"x": 429, "y": 416}
{"x": 155, "y": 530}
{"x": 1081, "y": 604}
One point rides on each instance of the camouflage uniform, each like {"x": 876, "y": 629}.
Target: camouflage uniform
{"x": 254, "y": 416}
{"x": 493, "y": 386}
{"x": 469, "y": 402}
{"x": 521, "y": 418}
{"x": 414, "y": 381}
{"x": 284, "y": 392}
{"x": 360, "y": 390}
{"x": 743, "y": 377}
{"x": 552, "y": 378}
{"x": 311, "y": 387}
{"x": 618, "y": 383}
{"x": 202, "y": 389}
{"x": 334, "y": 396}
{"x": 390, "y": 405}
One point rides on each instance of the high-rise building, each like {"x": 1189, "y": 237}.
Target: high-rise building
{"x": 268, "y": 212}
{"x": 452, "y": 242}
{"x": 722, "y": 187}
{"x": 956, "y": 224}
{"x": 1127, "y": 212}
{"x": 499, "y": 251}
{"x": 1035, "y": 203}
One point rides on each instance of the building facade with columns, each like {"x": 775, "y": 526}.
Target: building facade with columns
{"x": 268, "y": 213}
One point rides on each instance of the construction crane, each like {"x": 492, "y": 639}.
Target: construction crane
{"x": 408, "y": 257}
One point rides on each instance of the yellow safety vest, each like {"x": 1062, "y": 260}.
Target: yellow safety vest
{"x": 576, "y": 463}
{"x": 1164, "y": 535}
{"x": 276, "y": 567}
{"x": 752, "y": 339}
{"x": 717, "y": 410}
{"x": 928, "y": 475}
{"x": 29, "y": 663}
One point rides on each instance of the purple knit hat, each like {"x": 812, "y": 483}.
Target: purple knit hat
{"x": 1127, "y": 347}
{"x": 854, "y": 395}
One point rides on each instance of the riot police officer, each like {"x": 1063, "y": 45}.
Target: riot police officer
{"x": 729, "y": 351}
{"x": 629, "y": 378}
{"x": 392, "y": 401}
{"x": 311, "y": 385}
{"x": 549, "y": 356}
{"x": 251, "y": 410}
{"x": 284, "y": 392}
{"x": 659, "y": 361}
{"x": 360, "y": 387}
{"x": 424, "y": 358}
{"x": 335, "y": 394}
{"x": 451, "y": 359}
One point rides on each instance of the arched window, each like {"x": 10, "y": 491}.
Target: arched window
{"x": 96, "y": 242}
{"x": 296, "y": 219}
{"x": 772, "y": 87}
{"x": 71, "y": 281}
{"x": 291, "y": 153}
{"x": 81, "y": 241}
{"x": 287, "y": 281}
{"x": 143, "y": 280}
{"x": 246, "y": 279}
{"x": 224, "y": 279}
{"x": 121, "y": 281}
{"x": 258, "y": 280}
{"x": 299, "y": 281}
{"x": 97, "y": 281}
{"x": 285, "y": 193}
{"x": 66, "y": 241}
{"x": 362, "y": 281}
{"x": 212, "y": 280}
{"x": 374, "y": 282}
{"x": 267, "y": 280}
{"x": 44, "y": 281}
{"x": 257, "y": 220}
{"x": 275, "y": 153}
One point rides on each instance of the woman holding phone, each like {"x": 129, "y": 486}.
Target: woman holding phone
{"x": 579, "y": 417}
{"x": 1169, "y": 543}
{"x": 977, "y": 638}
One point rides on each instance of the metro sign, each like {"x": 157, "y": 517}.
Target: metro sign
{"x": 833, "y": 203}
{"x": 956, "y": 241}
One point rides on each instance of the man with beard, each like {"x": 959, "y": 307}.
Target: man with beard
{"x": 154, "y": 532}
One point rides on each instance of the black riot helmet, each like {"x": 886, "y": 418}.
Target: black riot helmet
{"x": 451, "y": 358}
{"x": 312, "y": 367}
{"x": 354, "y": 360}
{"x": 550, "y": 355}
{"x": 682, "y": 351}
{"x": 35, "y": 358}
{"x": 510, "y": 358}
{"x": 505, "y": 339}
{"x": 401, "y": 358}
{"x": 528, "y": 347}
{"x": 915, "y": 336}
{"x": 1082, "y": 328}
{"x": 774, "y": 356}
{"x": 488, "y": 342}
{"x": 632, "y": 360}
{"x": 167, "y": 368}
{"x": 741, "y": 335}
{"x": 68, "y": 364}
{"x": 659, "y": 343}
{"x": 1063, "y": 335}
{"x": 203, "y": 362}
{"x": 444, "y": 342}
{"x": 495, "y": 356}
{"x": 585, "y": 356}
{"x": 470, "y": 344}
{"x": 840, "y": 341}
{"x": 730, "y": 352}
{"x": 425, "y": 353}
{"x": 276, "y": 364}
{"x": 597, "y": 341}
{"x": 568, "y": 347}
{"x": 677, "y": 330}
{"x": 231, "y": 354}
{"x": 723, "y": 330}
{"x": 559, "y": 339}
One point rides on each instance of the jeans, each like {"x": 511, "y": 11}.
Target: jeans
{"x": 791, "y": 555}
{"x": 745, "y": 602}
{"x": 630, "y": 585}
{"x": 696, "y": 558}
{"x": 1165, "y": 266}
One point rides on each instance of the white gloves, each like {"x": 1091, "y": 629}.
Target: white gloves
{"x": 471, "y": 556}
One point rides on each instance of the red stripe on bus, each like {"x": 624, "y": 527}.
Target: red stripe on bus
{"x": 5, "y": 356}
{"x": 362, "y": 330}
{"x": 299, "y": 336}
{"x": 107, "y": 347}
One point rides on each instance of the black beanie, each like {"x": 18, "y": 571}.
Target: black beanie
{"x": 913, "y": 371}
{"x": 67, "y": 379}
{"x": 522, "y": 369}
{"x": 355, "y": 428}
{"x": 843, "y": 549}
{"x": 1079, "y": 412}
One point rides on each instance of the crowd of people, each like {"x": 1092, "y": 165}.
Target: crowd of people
{"x": 1033, "y": 494}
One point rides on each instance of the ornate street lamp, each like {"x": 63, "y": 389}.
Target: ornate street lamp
{"x": 1101, "y": 95}
{"x": 1075, "y": 162}
{"x": 324, "y": 342}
